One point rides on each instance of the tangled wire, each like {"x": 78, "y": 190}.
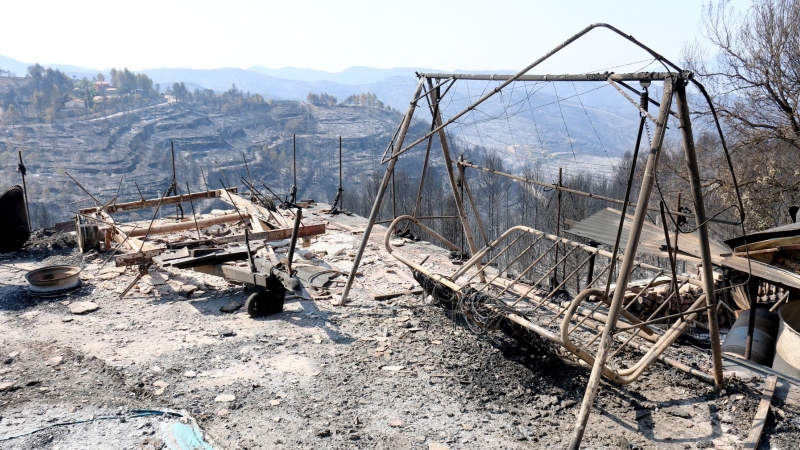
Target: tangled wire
{"x": 483, "y": 312}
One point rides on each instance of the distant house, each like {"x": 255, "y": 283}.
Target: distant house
{"x": 74, "y": 103}
{"x": 102, "y": 87}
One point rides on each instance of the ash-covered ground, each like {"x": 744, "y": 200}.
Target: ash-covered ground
{"x": 400, "y": 373}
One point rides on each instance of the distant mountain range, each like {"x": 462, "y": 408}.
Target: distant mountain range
{"x": 392, "y": 86}
{"x": 547, "y": 124}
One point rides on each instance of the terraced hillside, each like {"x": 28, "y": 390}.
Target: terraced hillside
{"x": 211, "y": 142}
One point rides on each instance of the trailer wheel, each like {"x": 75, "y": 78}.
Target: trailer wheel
{"x": 265, "y": 302}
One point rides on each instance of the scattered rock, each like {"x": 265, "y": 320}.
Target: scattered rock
{"x": 226, "y": 332}
{"x": 225, "y": 398}
{"x": 231, "y": 307}
{"x": 223, "y": 412}
{"x": 6, "y": 386}
{"x": 392, "y": 368}
{"x": 161, "y": 384}
{"x": 190, "y": 374}
{"x": 274, "y": 402}
{"x": 82, "y": 307}
{"x": 187, "y": 290}
{"x": 67, "y": 319}
{"x": 437, "y": 446}
{"x": 54, "y": 361}
{"x": 395, "y": 423}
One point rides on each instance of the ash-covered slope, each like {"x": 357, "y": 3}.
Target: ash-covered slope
{"x": 212, "y": 142}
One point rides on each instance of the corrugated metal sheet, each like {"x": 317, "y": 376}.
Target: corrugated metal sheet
{"x": 602, "y": 227}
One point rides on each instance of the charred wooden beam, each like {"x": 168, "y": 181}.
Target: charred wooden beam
{"x": 133, "y": 206}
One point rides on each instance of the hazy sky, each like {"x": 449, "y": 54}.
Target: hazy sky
{"x": 334, "y": 35}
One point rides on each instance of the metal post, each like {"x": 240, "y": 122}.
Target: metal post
{"x": 752, "y": 291}
{"x": 554, "y": 282}
{"x": 702, "y": 229}
{"x": 590, "y": 270}
{"x": 401, "y": 135}
{"x": 293, "y": 194}
{"x": 341, "y": 190}
{"x": 23, "y": 171}
{"x": 463, "y": 171}
{"x": 448, "y": 162}
{"x": 293, "y": 241}
{"x": 625, "y": 270}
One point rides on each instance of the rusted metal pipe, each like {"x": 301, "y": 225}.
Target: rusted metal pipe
{"x": 376, "y": 207}
{"x": 625, "y": 269}
{"x": 702, "y": 228}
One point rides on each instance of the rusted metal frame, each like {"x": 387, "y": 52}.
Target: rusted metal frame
{"x": 543, "y": 332}
{"x": 379, "y": 222}
{"x": 702, "y": 227}
{"x": 539, "y": 61}
{"x": 566, "y": 278}
{"x": 480, "y": 254}
{"x": 418, "y": 266}
{"x": 542, "y": 279}
{"x": 391, "y": 144}
{"x": 514, "y": 317}
{"x": 497, "y": 89}
{"x": 401, "y": 135}
{"x": 637, "y": 105}
{"x": 669, "y": 317}
{"x": 627, "y": 376}
{"x": 132, "y": 206}
{"x": 646, "y": 287}
{"x": 464, "y": 183}
{"x": 627, "y": 266}
{"x": 558, "y": 219}
{"x": 466, "y": 163}
{"x": 635, "y": 76}
{"x": 600, "y": 319}
{"x": 594, "y": 310}
{"x": 499, "y": 272}
{"x": 674, "y": 251}
{"x": 666, "y": 340}
{"x": 531, "y": 266}
{"x": 590, "y": 311}
{"x": 448, "y": 162}
{"x": 424, "y": 174}
{"x": 436, "y": 86}
{"x": 666, "y": 359}
{"x": 649, "y": 100}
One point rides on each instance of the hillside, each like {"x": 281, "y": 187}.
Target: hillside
{"x": 135, "y": 147}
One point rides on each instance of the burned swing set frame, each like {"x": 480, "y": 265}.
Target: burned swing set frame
{"x": 615, "y": 319}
